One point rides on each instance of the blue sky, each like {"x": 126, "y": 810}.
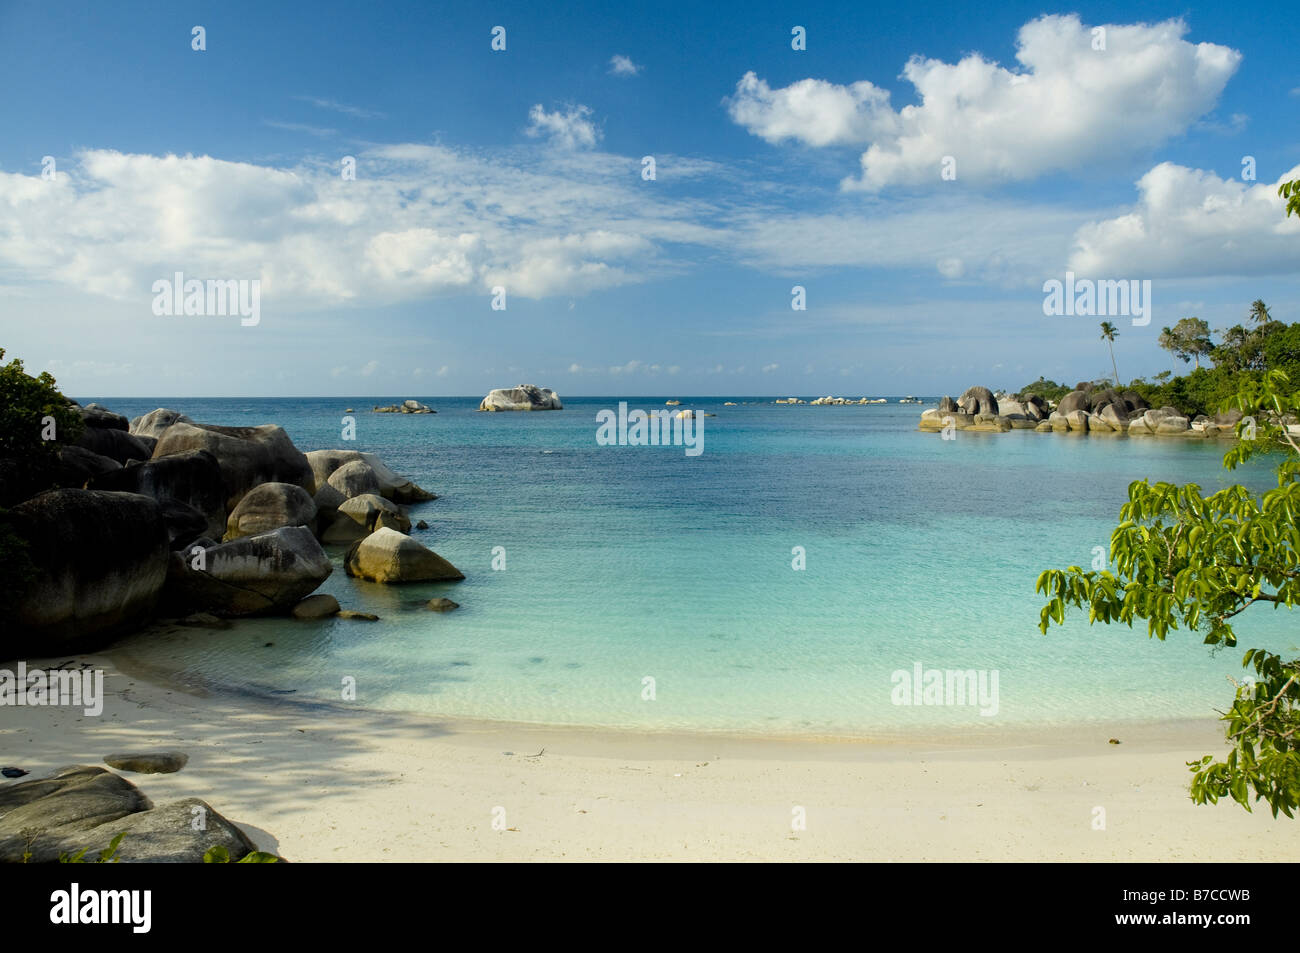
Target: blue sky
{"x": 522, "y": 169}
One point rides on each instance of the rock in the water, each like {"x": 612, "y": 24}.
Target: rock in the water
{"x": 249, "y": 456}
{"x": 193, "y": 478}
{"x": 270, "y": 572}
{"x": 362, "y": 515}
{"x": 391, "y": 485}
{"x": 358, "y": 616}
{"x": 155, "y": 423}
{"x": 406, "y": 407}
{"x": 320, "y": 606}
{"x": 978, "y": 400}
{"x": 153, "y": 762}
{"x": 522, "y": 397}
{"x": 389, "y": 556}
{"x": 13, "y": 772}
{"x": 422, "y": 525}
{"x": 269, "y": 506}
{"x": 1078, "y": 421}
{"x": 441, "y": 605}
{"x": 101, "y": 560}
{"x": 948, "y": 406}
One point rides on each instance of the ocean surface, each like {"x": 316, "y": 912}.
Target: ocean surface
{"x": 643, "y": 588}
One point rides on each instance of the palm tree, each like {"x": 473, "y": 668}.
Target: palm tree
{"x": 1259, "y": 312}
{"x": 1108, "y": 334}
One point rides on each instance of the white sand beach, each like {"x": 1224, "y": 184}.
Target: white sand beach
{"x": 317, "y": 784}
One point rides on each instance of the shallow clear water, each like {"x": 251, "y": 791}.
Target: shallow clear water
{"x": 628, "y": 562}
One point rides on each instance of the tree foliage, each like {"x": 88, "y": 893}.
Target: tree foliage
{"x": 25, "y": 404}
{"x": 1185, "y": 560}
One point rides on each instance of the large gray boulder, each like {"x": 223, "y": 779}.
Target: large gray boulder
{"x": 101, "y": 560}
{"x": 389, "y": 556}
{"x": 252, "y": 575}
{"x": 522, "y": 397}
{"x": 115, "y": 444}
{"x": 249, "y": 456}
{"x": 392, "y": 486}
{"x": 84, "y": 806}
{"x": 95, "y": 415}
{"x": 978, "y": 400}
{"x": 155, "y": 423}
{"x": 269, "y": 506}
{"x": 354, "y": 479}
{"x": 1075, "y": 400}
{"x": 948, "y": 406}
{"x": 360, "y": 516}
{"x": 192, "y": 477}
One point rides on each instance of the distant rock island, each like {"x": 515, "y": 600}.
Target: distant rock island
{"x": 522, "y": 397}
{"x": 406, "y": 407}
{"x": 1087, "y": 409}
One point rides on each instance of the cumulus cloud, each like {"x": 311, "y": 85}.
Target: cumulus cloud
{"x": 620, "y": 65}
{"x": 571, "y": 129}
{"x": 1188, "y": 222}
{"x": 1066, "y": 106}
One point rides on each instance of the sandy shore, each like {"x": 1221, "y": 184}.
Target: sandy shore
{"x": 326, "y": 784}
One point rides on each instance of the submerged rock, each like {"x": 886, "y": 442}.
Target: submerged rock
{"x": 320, "y": 606}
{"x": 392, "y": 486}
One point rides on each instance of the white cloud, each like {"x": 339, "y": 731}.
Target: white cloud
{"x": 317, "y": 131}
{"x": 769, "y": 368}
{"x": 1066, "y": 106}
{"x": 424, "y": 221}
{"x": 1188, "y": 222}
{"x": 442, "y": 371}
{"x": 571, "y": 129}
{"x": 338, "y": 107}
{"x": 620, "y": 65}
{"x": 812, "y": 111}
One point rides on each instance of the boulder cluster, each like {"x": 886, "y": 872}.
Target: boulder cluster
{"x": 163, "y": 516}
{"x": 1086, "y": 409}
{"x": 522, "y": 397}
{"x": 406, "y": 407}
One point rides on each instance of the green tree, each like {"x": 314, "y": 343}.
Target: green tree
{"x": 30, "y": 409}
{"x": 1109, "y": 334}
{"x": 1259, "y": 312}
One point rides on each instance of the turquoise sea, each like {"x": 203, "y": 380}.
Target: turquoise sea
{"x": 626, "y": 563}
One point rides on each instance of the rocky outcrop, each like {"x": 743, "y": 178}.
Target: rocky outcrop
{"x": 389, "y": 556}
{"x": 978, "y": 400}
{"x": 391, "y": 486}
{"x": 406, "y": 407}
{"x": 101, "y": 561}
{"x": 948, "y": 406}
{"x": 253, "y": 575}
{"x": 192, "y": 477}
{"x": 269, "y": 506}
{"x": 115, "y": 444}
{"x": 83, "y": 806}
{"x": 522, "y": 397}
{"x": 249, "y": 456}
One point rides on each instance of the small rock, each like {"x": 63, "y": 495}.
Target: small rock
{"x": 1114, "y": 741}
{"x": 441, "y": 605}
{"x": 319, "y": 606}
{"x": 201, "y": 618}
{"x": 351, "y": 614}
{"x": 12, "y": 772}
{"x": 422, "y": 525}
{"x": 160, "y": 762}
